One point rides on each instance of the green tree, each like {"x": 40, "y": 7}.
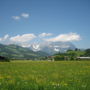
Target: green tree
{"x": 59, "y": 57}
{"x": 87, "y": 52}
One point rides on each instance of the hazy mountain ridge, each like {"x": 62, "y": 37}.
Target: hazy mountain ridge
{"x": 35, "y": 50}
{"x": 52, "y": 48}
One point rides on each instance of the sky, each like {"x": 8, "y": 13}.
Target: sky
{"x": 26, "y": 21}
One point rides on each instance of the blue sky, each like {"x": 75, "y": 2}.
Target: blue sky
{"x": 55, "y": 17}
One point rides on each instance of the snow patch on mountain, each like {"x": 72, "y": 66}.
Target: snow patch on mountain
{"x": 57, "y": 50}
{"x": 53, "y": 47}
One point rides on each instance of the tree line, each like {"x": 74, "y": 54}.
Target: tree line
{"x": 72, "y": 54}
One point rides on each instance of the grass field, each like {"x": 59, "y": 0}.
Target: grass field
{"x": 45, "y": 75}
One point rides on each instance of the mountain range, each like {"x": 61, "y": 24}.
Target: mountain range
{"x": 52, "y": 47}
{"x": 36, "y": 50}
{"x": 18, "y": 52}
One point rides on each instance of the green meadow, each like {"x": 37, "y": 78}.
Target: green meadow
{"x": 45, "y": 75}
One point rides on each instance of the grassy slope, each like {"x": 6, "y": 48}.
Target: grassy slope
{"x": 43, "y": 75}
{"x": 18, "y": 52}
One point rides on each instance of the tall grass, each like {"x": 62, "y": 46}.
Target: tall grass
{"x": 44, "y": 75}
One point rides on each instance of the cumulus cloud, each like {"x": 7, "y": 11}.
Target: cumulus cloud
{"x": 45, "y": 34}
{"x": 23, "y": 38}
{"x": 65, "y": 38}
{"x": 25, "y": 15}
{"x": 26, "y": 40}
{"x": 16, "y": 17}
{"x": 0, "y": 39}
{"x": 4, "y": 38}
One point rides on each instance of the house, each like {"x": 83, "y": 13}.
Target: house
{"x": 50, "y": 58}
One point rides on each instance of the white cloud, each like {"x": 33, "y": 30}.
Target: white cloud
{"x": 25, "y": 15}
{"x": 65, "y": 38}
{"x": 45, "y": 34}
{"x": 16, "y": 17}
{"x": 0, "y": 39}
{"x": 4, "y": 38}
{"x": 23, "y": 38}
